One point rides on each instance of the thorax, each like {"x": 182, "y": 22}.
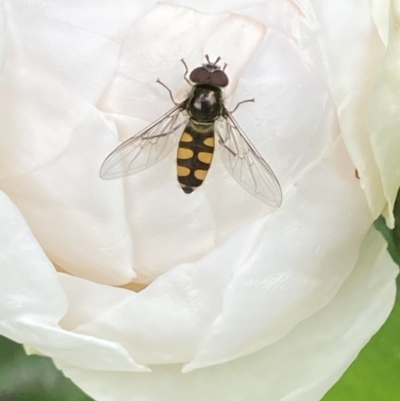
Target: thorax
{"x": 205, "y": 103}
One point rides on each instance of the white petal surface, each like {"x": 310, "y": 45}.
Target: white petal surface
{"x": 281, "y": 15}
{"x": 259, "y": 292}
{"x": 60, "y": 58}
{"x": 102, "y": 230}
{"x": 168, "y": 227}
{"x": 32, "y": 302}
{"x": 288, "y": 131}
{"x": 78, "y": 220}
{"x": 3, "y": 35}
{"x": 380, "y": 10}
{"x": 347, "y": 58}
{"x": 284, "y": 371}
{"x": 213, "y": 7}
{"x": 278, "y": 286}
{"x": 45, "y": 88}
{"x": 385, "y": 116}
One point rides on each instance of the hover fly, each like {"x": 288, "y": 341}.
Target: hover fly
{"x": 199, "y": 120}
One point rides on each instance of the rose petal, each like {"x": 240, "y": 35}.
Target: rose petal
{"x": 380, "y": 10}
{"x": 146, "y": 56}
{"x": 347, "y": 58}
{"x": 32, "y": 302}
{"x": 300, "y": 367}
{"x": 57, "y": 62}
{"x": 282, "y": 285}
{"x": 385, "y": 117}
{"x": 213, "y": 7}
{"x": 281, "y": 15}
{"x": 259, "y": 292}
{"x": 2, "y": 36}
{"x": 41, "y": 109}
{"x": 78, "y": 219}
{"x": 60, "y": 60}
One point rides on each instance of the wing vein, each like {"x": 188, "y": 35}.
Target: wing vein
{"x": 246, "y": 164}
{"x": 146, "y": 148}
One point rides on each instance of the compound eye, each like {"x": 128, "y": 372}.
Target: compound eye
{"x": 200, "y": 75}
{"x": 219, "y": 78}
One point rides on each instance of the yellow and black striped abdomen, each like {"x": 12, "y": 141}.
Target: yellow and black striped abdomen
{"x": 195, "y": 153}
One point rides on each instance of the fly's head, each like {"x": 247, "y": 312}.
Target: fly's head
{"x": 210, "y": 73}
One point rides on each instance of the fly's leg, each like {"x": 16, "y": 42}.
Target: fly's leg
{"x": 186, "y": 72}
{"x": 243, "y": 101}
{"x": 169, "y": 91}
{"x": 222, "y": 143}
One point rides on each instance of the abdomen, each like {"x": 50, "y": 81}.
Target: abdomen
{"x": 195, "y": 153}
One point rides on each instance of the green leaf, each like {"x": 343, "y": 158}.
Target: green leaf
{"x": 396, "y": 239}
{"x": 393, "y": 239}
{"x": 375, "y": 374}
{"x": 32, "y": 378}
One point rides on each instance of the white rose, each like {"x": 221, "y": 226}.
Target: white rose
{"x": 238, "y": 301}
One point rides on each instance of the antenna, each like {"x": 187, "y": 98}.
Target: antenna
{"x": 215, "y": 62}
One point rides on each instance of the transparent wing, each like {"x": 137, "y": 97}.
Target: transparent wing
{"x": 246, "y": 165}
{"x": 146, "y": 148}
